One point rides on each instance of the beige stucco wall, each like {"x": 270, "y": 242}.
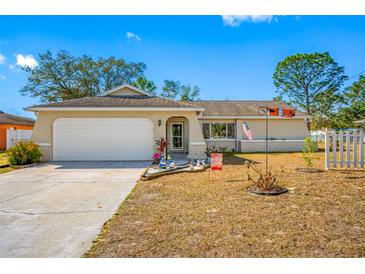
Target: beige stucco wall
{"x": 223, "y": 146}
{"x": 273, "y": 145}
{"x": 125, "y": 91}
{"x": 43, "y": 129}
{"x": 289, "y": 129}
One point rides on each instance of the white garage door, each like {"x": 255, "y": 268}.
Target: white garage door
{"x": 98, "y": 139}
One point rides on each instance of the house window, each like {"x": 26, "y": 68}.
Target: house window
{"x": 206, "y": 130}
{"x": 230, "y": 131}
{"x": 219, "y": 131}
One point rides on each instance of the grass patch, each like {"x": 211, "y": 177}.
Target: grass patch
{"x": 211, "y": 215}
{"x": 4, "y": 161}
{"x": 5, "y": 169}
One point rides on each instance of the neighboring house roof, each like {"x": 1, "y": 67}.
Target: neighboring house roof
{"x": 360, "y": 121}
{"x": 239, "y": 108}
{"x": 120, "y": 102}
{"x": 10, "y": 119}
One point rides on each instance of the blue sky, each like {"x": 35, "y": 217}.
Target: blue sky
{"x": 232, "y": 57}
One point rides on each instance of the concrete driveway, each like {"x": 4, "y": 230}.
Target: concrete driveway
{"x": 57, "y": 209}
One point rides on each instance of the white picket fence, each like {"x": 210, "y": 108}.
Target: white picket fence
{"x": 350, "y": 151}
{"x": 13, "y": 136}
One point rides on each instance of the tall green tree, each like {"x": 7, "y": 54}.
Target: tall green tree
{"x": 354, "y": 105}
{"x": 62, "y": 76}
{"x": 171, "y": 89}
{"x": 356, "y": 92}
{"x": 189, "y": 93}
{"x": 310, "y": 82}
{"x": 174, "y": 89}
{"x": 144, "y": 84}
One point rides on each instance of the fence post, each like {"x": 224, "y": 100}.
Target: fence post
{"x": 327, "y": 151}
{"x": 341, "y": 148}
{"x": 11, "y": 137}
{"x": 7, "y": 138}
{"x": 348, "y": 155}
{"x": 354, "y": 141}
{"x": 334, "y": 148}
{"x": 362, "y": 149}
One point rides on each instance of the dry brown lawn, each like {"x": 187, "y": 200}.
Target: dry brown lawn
{"x": 190, "y": 215}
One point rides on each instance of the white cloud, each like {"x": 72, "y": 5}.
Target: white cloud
{"x": 2, "y": 77}
{"x": 132, "y": 36}
{"x": 11, "y": 66}
{"x": 236, "y": 20}
{"x": 26, "y": 61}
{"x": 2, "y": 59}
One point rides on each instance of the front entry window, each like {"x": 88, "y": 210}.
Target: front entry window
{"x": 177, "y": 136}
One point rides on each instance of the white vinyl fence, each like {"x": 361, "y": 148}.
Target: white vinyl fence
{"x": 13, "y": 136}
{"x": 344, "y": 149}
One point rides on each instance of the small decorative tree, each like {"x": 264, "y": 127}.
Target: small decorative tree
{"x": 308, "y": 152}
{"x": 264, "y": 183}
{"x": 161, "y": 147}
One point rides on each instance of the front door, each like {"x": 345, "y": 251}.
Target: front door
{"x": 177, "y": 136}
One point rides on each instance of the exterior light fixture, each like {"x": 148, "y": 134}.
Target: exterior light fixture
{"x": 159, "y": 123}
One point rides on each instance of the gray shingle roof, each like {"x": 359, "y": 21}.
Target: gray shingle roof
{"x": 239, "y": 108}
{"x": 6, "y": 118}
{"x": 212, "y": 108}
{"x": 121, "y": 101}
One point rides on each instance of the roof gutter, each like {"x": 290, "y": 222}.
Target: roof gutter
{"x": 251, "y": 117}
{"x": 38, "y": 109}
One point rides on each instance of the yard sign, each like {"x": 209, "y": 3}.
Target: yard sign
{"x": 216, "y": 161}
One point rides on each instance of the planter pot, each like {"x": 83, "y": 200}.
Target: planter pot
{"x": 276, "y": 191}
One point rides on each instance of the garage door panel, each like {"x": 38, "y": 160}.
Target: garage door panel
{"x": 92, "y": 139}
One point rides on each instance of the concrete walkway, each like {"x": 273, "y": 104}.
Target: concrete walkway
{"x": 57, "y": 209}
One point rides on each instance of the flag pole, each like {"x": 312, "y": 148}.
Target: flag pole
{"x": 267, "y": 141}
{"x": 264, "y": 110}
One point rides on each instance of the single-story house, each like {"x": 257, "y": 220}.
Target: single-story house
{"x": 8, "y": 121}
{"x": 124, "y": 123}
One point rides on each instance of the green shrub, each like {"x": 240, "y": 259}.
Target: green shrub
{"x": 308, "y": 152}
{"x": 24, "y": 153}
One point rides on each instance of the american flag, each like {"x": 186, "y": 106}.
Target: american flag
{"x": 247, "y": 131}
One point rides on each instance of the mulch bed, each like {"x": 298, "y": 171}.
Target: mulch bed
{"x": 24, "y": 166}
{"x": 309, "y": 170}
{"x": 354, "y": 177}
{"x": 145, "y": 176}
{"x": 275, "y": 191}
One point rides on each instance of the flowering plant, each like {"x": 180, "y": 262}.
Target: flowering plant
{"x": 156, "y": 156}
{"x": 161, "y": 146}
